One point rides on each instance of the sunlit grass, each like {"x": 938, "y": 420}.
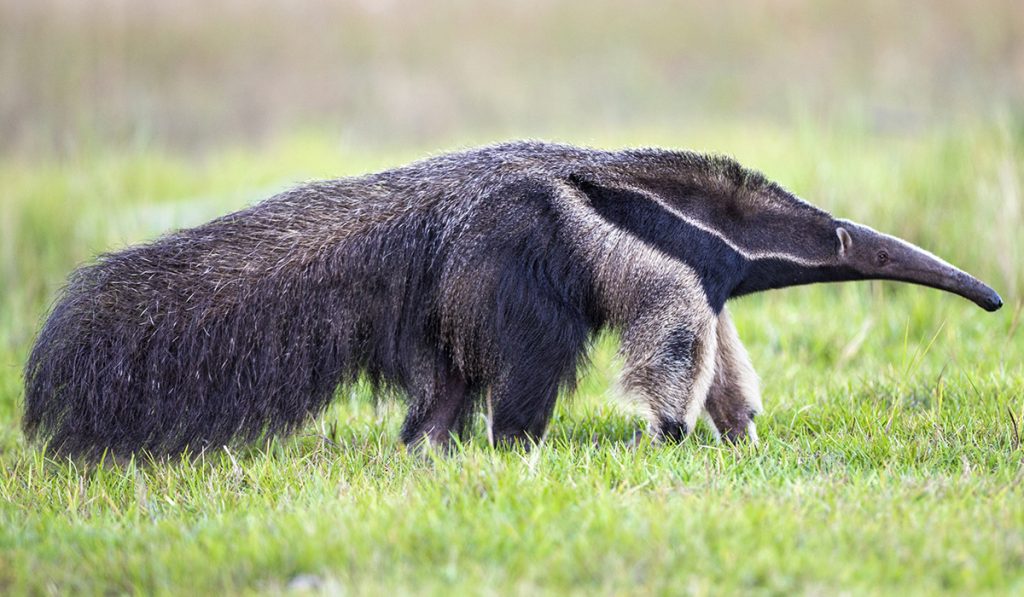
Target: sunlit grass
{"x": 890, "y": 458}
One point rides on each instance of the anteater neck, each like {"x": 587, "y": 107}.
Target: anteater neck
{"x": 778, "y": 272}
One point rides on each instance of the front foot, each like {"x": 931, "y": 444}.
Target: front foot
{"x": 735, "y": 398}
{"x": 733, "y": 425}
{"x": 670, "y": 431}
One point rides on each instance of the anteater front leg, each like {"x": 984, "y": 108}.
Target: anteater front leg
{"x": 735, "y": 397}
{"x": 669, "y": 365}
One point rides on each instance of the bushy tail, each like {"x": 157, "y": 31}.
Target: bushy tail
{"x": 197, "y": 339}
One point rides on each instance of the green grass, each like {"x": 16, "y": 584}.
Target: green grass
{"x": 889, "y": 459}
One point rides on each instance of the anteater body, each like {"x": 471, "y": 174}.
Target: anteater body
{"x": 466, "y": 277}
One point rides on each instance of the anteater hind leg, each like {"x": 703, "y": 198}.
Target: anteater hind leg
{"x": 438, "y": 410}
{"x": 541, "y": 348}
{"x": 522, "y": 402}
{"x": 735, "y": 398}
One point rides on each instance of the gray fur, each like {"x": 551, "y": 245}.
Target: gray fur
{"x": 472, "y": 274}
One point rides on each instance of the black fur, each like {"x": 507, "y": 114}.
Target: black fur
{"x": 718, "y": 265}
{"x": 449, "y": 279}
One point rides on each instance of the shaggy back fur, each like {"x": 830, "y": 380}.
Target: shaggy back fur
{"x": 447, "y": 269}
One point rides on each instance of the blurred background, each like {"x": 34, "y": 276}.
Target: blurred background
{"x": 196, "y": 74}
{"x": 123, "y": 119}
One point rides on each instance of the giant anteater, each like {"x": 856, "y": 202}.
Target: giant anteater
{"x": 468, "y": 275}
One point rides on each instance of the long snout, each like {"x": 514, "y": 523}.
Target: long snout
{"x": 900, "y": 260}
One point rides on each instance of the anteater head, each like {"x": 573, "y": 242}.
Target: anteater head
{"x": 784, "y": 241}
{"x": 873, "y": 255}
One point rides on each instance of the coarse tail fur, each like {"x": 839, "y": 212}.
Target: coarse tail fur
{"x": 466, "y": 277}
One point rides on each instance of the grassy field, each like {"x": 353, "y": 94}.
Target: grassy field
{"x": 890, "y": 456}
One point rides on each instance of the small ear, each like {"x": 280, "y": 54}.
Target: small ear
{"x": 845, "y": 240}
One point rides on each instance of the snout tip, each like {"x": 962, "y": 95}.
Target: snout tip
{"x": 992, "y": 302}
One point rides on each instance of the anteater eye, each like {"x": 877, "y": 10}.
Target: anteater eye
{"x": 883, "y": 257}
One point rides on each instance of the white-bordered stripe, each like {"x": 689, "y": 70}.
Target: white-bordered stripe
{"x": 751, "y": 255}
